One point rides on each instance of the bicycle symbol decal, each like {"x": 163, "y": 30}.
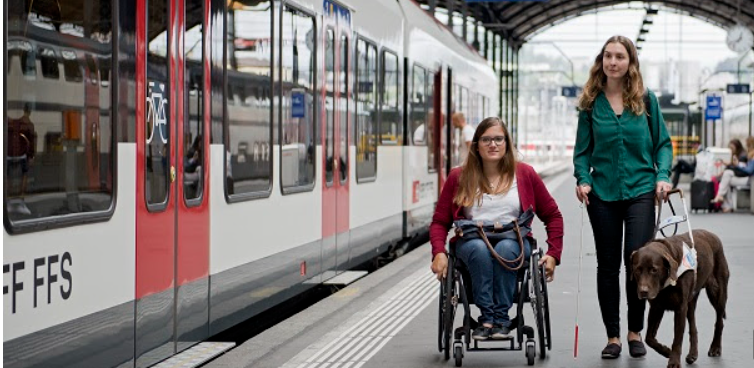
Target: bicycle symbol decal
{"x": 156, "y": 119}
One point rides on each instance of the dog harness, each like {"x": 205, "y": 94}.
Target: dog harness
{"x": 688, "y": 263}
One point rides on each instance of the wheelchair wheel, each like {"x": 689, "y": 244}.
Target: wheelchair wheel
{"x": 546, "y": 307}
{"x": 449, "y": 304}
{"x": 440, "y": 318}
{"x": 458, "y": 354}
{"x": 530, "y": 352}
{"x": 537, "y": 303}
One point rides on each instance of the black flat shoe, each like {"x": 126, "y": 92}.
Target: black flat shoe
{"x": 481, "y": 333}
{"x": 636, "y": 349}
{"x": 611, "y": 351}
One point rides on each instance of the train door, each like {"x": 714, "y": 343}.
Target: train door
{"x": 172, "y": 209}
{"x": 437, "y": 117}
{"x": 335, "y": 128}
{"x": 447, "y": 139}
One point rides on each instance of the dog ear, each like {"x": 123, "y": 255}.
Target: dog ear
{"x": 672, "y": 266}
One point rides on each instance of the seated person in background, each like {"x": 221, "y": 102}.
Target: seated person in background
{"x": 737, "y": 152}
{"x": 682, "y": 167}
{"x": 192, "y": 168}
{"x": 491, "y": 185}
{"x": 736, "y": 175}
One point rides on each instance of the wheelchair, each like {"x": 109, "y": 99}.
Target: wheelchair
{"x": 455, "y": 291}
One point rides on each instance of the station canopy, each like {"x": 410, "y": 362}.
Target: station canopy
{"x": 517, "y": 20}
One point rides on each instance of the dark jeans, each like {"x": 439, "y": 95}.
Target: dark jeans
{"x": 493, "y": 285}
{"x": 608, "y": 220}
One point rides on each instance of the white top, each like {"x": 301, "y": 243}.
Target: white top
{"x": 467, "y": 134}
{"x": 502, "y": 208}
{"x": 419, "y": 134}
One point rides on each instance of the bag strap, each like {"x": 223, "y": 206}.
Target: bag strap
{"x": 518, "y": 262}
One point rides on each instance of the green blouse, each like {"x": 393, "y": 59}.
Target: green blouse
{"x": 617, "y": 156}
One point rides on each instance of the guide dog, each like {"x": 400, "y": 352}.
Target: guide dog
{"x": 655, "y": 267}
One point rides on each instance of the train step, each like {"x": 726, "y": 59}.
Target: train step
{"x": 196, "y": 355}
{"x": 346, "y": 278}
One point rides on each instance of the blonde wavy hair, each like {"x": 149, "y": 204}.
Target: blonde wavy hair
{"x": 472, "y": 182}
{"x": 633, "y": 85}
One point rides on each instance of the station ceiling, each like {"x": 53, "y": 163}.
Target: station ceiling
{"x": 516, "y": 20}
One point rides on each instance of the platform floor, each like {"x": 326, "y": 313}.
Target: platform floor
{"x": 389, "y": 318}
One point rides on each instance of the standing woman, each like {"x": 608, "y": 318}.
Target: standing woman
{"x": 491, "y": 185}
{"x": 621, "y": 162}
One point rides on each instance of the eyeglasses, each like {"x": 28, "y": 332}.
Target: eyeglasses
{"x": 486, "y": 141}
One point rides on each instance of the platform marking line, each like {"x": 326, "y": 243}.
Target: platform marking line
{"x": 372, "y": 318}
{"x": 384, "y": 329}
{"x": 388, "y": 330}
{"x": 371, "y": 321}
{"x": 369, "y": 331}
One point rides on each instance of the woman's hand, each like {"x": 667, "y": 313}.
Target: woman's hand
{"x": 662, "y": 189}
{"x": 549, "y": 263}
{"x": 582, "y": 193}
{"x": 440, "y": 266}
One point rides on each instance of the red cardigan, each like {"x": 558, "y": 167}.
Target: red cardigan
{"x": 531, "y": 191}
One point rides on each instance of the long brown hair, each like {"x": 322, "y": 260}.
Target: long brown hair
{"x": 633, "y": 84}
{"x": 738, "y": 147}
{"x": 472, "y": 182}
{"x": 750, "y": 147}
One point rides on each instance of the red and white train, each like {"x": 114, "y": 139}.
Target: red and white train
{"x": 174, "y": 167}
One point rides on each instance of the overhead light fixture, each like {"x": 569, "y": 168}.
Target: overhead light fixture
{"x": 652, "y": 11}
{"x": 641, "y": 39}
{"x": 643, "y": 30}
{"x": 647, "y": 21}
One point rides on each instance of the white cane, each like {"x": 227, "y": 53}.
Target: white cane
{"x": 578, "y": 290}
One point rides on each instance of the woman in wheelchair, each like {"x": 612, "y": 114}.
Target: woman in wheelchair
{"x": 491, "y": 185}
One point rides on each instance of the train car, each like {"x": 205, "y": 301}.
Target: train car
{"x": 176, "y": 167}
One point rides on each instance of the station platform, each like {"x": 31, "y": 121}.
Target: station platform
{"x": 389, "y": 318}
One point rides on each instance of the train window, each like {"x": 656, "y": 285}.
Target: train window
{"x": 58, "y": 158}
{"x": 158, "y": 144}
{"x": 248, "y": 122}
{"x": 297, "y": 100}
{"x": 343, "y": 107}
{"x": 71, "y": 67}
{"x": 480, "y": 108}
{"x": 193, "y": 123}
{"x": 49, "y": 61}
{"x": 457, "y": 98}
{"x": 366, "y": 111}
{"x": 391, "y": 128}
{"x": 419, "y": 106}
{"x": 429, "y": 121}
{"x": 22, "y": 50}
{"x": 329, "y": 114}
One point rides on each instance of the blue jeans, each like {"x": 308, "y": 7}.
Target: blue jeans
{"x": 493, "y": 284}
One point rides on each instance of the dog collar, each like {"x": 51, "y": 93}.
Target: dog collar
{"x": 688, "y": 263}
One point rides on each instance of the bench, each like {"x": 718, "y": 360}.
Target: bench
{"x": 741, "y": 197}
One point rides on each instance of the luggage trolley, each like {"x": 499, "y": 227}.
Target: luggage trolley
{"x": 531, "y": 287}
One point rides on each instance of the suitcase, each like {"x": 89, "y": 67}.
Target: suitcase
{"x": 702, "y": 192}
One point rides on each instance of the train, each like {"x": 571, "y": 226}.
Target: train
{"x": 175, "y": 167}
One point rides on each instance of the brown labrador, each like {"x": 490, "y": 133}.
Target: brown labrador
{"x": 654, "y": 268}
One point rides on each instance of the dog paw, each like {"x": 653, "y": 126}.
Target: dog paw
{"x": 691, "y": 358}
{"x": 674, "y": 363}
{"x": 715, "y": 351}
